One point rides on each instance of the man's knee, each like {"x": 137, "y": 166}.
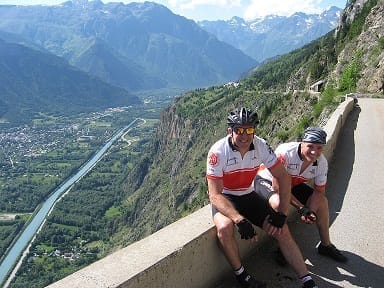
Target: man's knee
{"x": 274, "y": 201}
{"x": 318, "y": 202}
{"x": 224, "y": 228}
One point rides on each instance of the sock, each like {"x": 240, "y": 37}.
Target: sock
{"x": 305, "y": 278}
{"x": 239, "y": 271}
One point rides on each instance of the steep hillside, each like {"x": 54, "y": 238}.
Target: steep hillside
{"x": 173, "y": 181}
{"x": 114, "y": 68}
{"x": 362, "y": 54}
{"x": 33, "y": 81}
{"x": 144, "y": 43}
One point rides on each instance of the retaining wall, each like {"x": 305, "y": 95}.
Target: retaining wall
{"x": 181, "y": 253}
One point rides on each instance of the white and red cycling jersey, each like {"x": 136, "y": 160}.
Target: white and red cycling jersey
{"x": 225, "y": 162}
{"x": 289, "y": 156}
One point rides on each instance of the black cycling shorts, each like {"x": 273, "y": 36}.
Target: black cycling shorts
{"x": 263, "y": 187}
{"x": 252, "y": 206}
{"x": 302, "y": 192}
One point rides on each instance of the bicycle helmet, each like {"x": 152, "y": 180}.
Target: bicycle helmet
{"x": 243, "y": 116}
{"x": 314, "y": 135}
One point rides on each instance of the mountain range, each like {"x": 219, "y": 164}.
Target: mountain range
{"x": 138, "y": 46}
{"x": 273, "y": 35}
{"x": 135, "y": 47}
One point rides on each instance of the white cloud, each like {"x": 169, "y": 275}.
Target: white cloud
{"x": 260, "y": 8}
{"x": 248, "y": 9}
{"x": 194, "y": 4}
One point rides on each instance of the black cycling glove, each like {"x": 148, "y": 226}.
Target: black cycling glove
{"x": 246, "y": 229}
{"x": 277, "y": 219}
{"x": 307, "y": 213}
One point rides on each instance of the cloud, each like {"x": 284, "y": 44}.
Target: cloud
{"x": 195, "y": 4}
{"x": 248, "y": 9}
{"x": 278, "y": 7}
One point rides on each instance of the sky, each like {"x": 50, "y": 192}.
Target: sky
{"x": 222, "y": 9}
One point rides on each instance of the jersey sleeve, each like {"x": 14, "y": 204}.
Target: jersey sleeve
{"x": 322, "y": 172}
{"x": 270, "y": 158}
{"x": 280, "y": 153}
{"x": 214, "y": 164}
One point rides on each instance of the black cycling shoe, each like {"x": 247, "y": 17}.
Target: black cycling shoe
{"x": 332, "y": 252}
{"x": 310, "y": 284}
{"x": 247, "y": 281}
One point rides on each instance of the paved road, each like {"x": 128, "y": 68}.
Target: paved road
{"x": 356, "y": 197}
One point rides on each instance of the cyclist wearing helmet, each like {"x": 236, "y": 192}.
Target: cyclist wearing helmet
{"x": 304, "y": 161}
{"x": 232, "y": 164}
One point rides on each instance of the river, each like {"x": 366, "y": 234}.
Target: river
{"x": 38, "y": 220}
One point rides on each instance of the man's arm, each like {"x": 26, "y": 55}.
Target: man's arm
{"x": 282, "y": 180}
{"x": 319, "y": 189}
{"x": 296, "y": 203}
{"x": 306, "y": 214}
{"x": 222, "y": 204}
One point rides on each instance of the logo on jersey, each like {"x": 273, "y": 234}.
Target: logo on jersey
{"x": 213, "y": 160}
{"x": 292, "y": 166}
{"x": 232, "y": 161}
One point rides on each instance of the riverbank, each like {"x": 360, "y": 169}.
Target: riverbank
{"x": 36, "y": 223}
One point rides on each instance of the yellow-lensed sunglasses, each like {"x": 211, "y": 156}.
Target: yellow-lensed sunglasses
{"x": 242, "y": 130}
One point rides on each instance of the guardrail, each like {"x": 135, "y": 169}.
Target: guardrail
{"x": 180, "y": 254}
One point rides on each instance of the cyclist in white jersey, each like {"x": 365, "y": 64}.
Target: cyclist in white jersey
{"x": 304, "y": 161}
{"x": 232, "y": 165}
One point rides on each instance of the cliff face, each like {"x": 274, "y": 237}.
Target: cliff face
{"x": 367, "y": 49}
{"x": 371, "y": 42}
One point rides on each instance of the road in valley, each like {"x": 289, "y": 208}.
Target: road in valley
{"x": 20, "y": 247}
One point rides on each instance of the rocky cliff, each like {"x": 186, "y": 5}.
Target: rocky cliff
{"x": 367, "y": 48}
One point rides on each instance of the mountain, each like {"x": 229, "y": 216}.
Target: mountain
{"x": 103, "y": 62}
{"x": 138, "y": 46}
{"x": 269, "y": 36}
{"x": 33, "y": 81}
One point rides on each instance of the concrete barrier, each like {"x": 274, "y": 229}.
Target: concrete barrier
{"x": 334, "y": 125}
{"x": 178, "y": 255}
{"x": 184, "y": 253}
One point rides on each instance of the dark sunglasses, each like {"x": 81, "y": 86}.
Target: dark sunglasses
{"x": 242, "y": 130}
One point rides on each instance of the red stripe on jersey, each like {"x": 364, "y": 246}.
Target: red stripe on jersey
{"x": 296, "y": 180}
{"x": 239, "y": 179}
{"x": 212, "y": 177}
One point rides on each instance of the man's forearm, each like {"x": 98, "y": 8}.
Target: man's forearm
{"x": 296, "y": 203}
{"x": 225, "y": 207}
{"x": 284, "y": 201}
{"x": 284, "y": 185}
{"x": 285, "y": 194}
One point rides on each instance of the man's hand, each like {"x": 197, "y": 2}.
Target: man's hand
{"x": 246, "y": 229}
{"x": 307, "y": 215}
{"x": 274, "y": 222}
{"x": 277, "y": 219}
